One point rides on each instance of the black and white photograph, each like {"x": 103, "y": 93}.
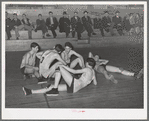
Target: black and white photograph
{"x": 74, "y": 60}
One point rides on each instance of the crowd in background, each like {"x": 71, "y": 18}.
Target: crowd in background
{"x": 132, "y": 23}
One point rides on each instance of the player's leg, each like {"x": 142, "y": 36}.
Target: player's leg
{"x": 75, "y": 62}
{"x": 119, "y": 70}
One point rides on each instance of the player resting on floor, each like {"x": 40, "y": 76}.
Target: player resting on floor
{"x": 27, "y": 66}
{"x": 72, "y": 85}
{"x": 67, "y": 54}
{"x": 102, "y": 67}
{"x": 49, "y": 61}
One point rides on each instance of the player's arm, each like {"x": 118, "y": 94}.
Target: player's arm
{"x": 73, "y": 71}
{"x": 90, "y": 55}
{"x": 103, "y": 61}
{"x": 39, "y": 54}
{"x": 79, "y": 56}
{"x": 58, "y": 57}
{"x": 94, "y": 78}
{"x": 63, "y": 56}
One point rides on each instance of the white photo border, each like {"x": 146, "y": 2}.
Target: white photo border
{"x": 54, "y": 113}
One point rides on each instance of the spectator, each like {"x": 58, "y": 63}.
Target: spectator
{"x": 15, "y": 24}
{"x": 117, "y": 20}
{"x": 98, "y": 24}
{"x": 52, "y": 23}
{"x": 107, "y": 23}
{"x": 41, "y": 25}
{"x": 87, "y": 23}
{"x": 76, "y": 25}
{"x": 8, "y": 26}
{"x": 126, "y": 23}
{"x": 64, "y": 24}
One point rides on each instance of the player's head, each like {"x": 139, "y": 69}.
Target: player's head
{"x": 58, "y": 48}
{"x": 117, "y": 13}
{"x": 24, "y": 15}
{"x": 40, "y": 16}
{"x": 35, "y": 47}
{"x": 68, "y": 46}
{"x": 97, "y": 57}
{"x": 15, "y": 15}
{"x": 90, "y": 62}
{"x": 106, "y": 13}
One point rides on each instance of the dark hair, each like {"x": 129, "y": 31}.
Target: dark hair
{"x": 39, "y": 14}
{"x": 59, "y": 48}
{"x": 85, "y": 12}
{"x": 15, "y": 14}
{"x": 50, "y": 12}
{"x": 69, "y": 45}
{"x": 64, "y": 13}
{"x": 24, "y": 14}
{"x": 106, "y": 12}
{"x": 34, "y": 44}
{"x": 75, "y": 12}
{"x": 91, "y": 62}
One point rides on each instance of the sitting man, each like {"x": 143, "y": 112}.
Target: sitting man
{"x": 28, "y": 62}
{"x": 41, "y": 25}
{"x": 72, "y": 85}
{"x": 49, "y": 61}
{"x": 67, "y": 54}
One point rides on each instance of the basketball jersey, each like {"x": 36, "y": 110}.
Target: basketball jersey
{"x": 45, "y": 61}
{"x": 82, "y": 82}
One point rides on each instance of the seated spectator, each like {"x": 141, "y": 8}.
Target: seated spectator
{"x": 98, "y": 24}
{"x": 126, "y": 23}
{"x": 15, "y": 24}
{"x": 41, "y": 25}
{"x": 52, "y": 23}
{"x": 64, "y": 24}
{"x": 117, "y": 20}
{"x": 107, "y": 23}
{"x": 8, "y": 26}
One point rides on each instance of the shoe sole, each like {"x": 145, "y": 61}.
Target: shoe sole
{"x": 42, "y": 82}
{"x": 51, "y": 94}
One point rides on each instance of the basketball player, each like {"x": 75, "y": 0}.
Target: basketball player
{"x": 28, "y": 62}
{"x": 72, "y": 85}
{"x": 102, "y": 67}
{"x": 67, "y": 54}
{"x": 49, "y": 61}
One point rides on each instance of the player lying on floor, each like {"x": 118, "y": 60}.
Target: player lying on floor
{"x": 28, "y": 62}
{"x": 49, "y": 61}
{"x": 72, "y": 85}
{"x": 67, "y": 54}
{"x": 102, "y": 67}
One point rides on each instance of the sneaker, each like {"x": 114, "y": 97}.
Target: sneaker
{"x": 139, "y": 74}
{"x": 27, "y": 91}
{"x": 53, "y": 92}
{"x": 113, "y": 79}
{"x": 41, "y": 81}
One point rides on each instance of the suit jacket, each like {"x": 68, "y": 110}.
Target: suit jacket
{"x": 8, "y": 23}
{"x": 116, "y": 20}
{"x": 105, "y": 21}
{"x": 64, "y": 25}
{"x": 48, "y": 23}
{"x": 87, "y": 23}
{"x": 98, "y": 23}
{"x": 16, "y": 22}
{"x": 40, "y": 22}
{"x": 76, "y": 24}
